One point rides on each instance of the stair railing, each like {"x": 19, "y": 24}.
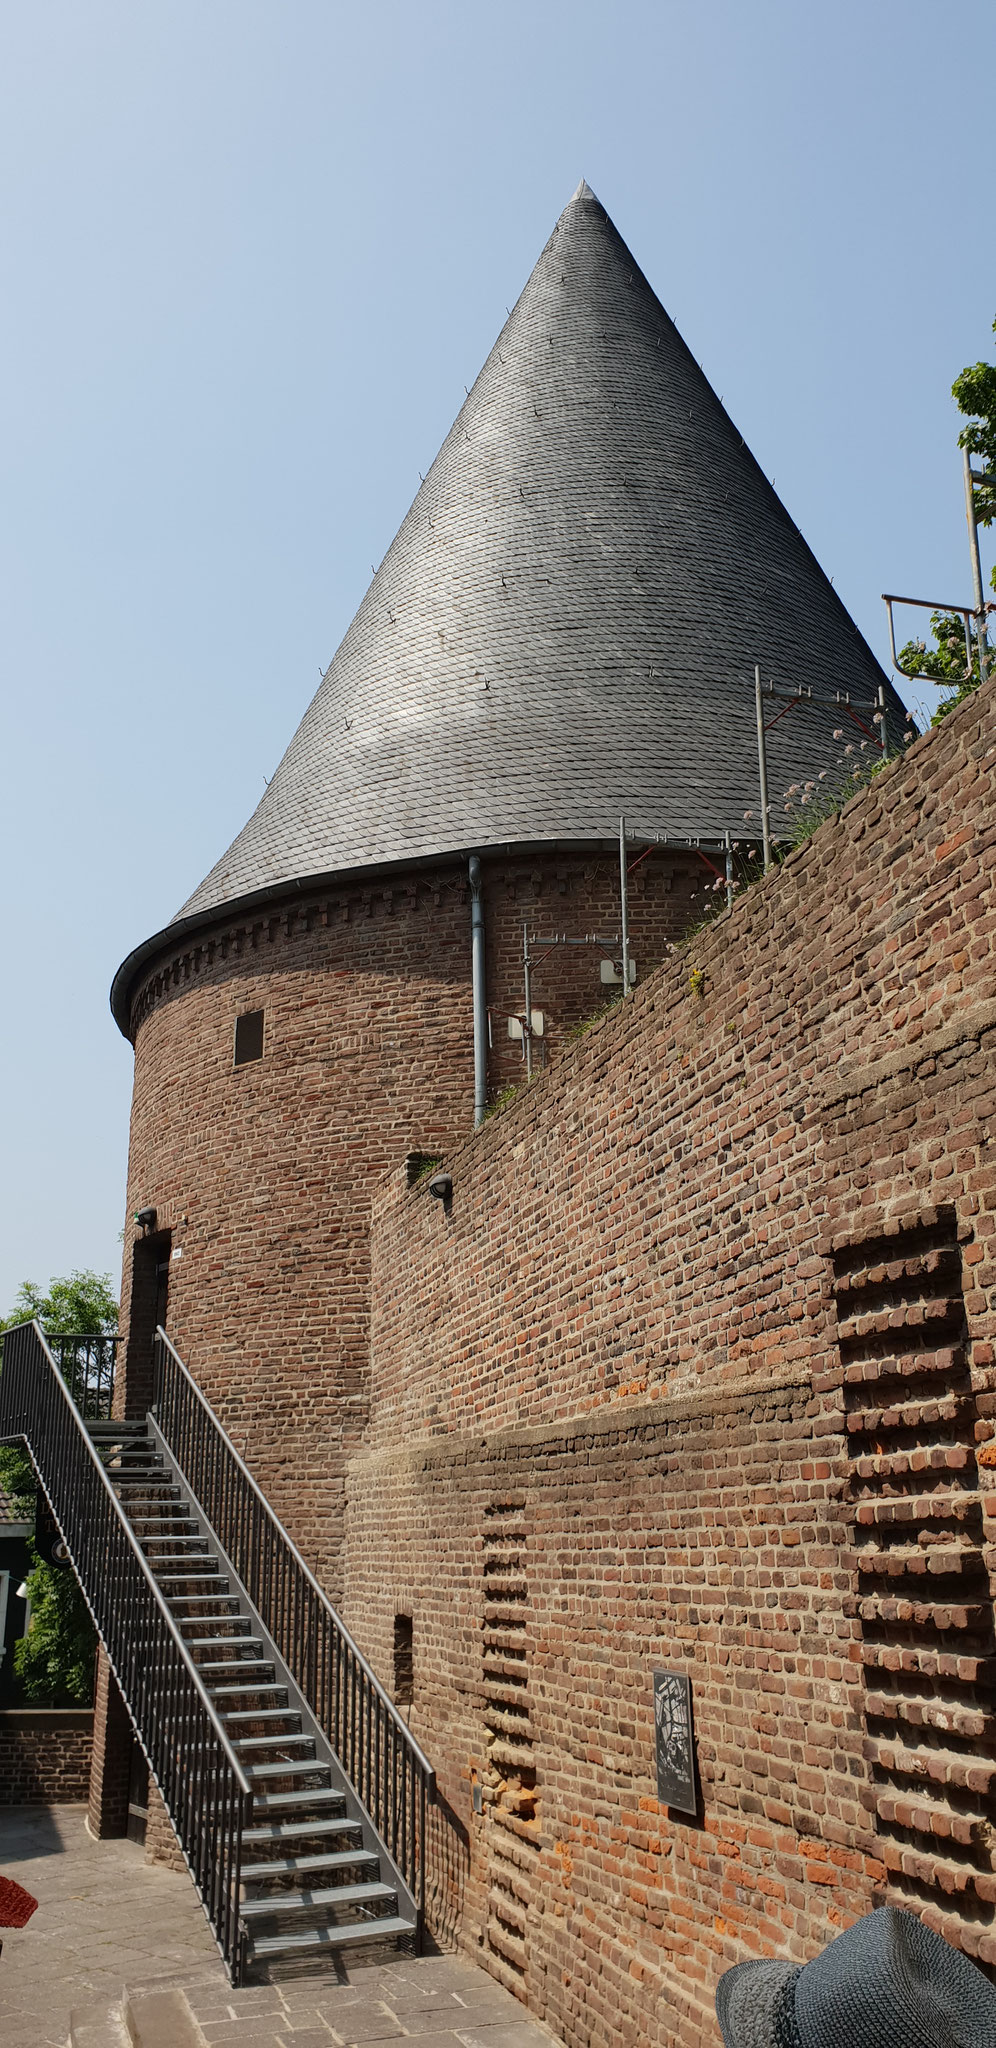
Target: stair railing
{"x": 388, "y": 1771}
{"x": 87, "y": 1366}
{"x": 204, "y": 1787}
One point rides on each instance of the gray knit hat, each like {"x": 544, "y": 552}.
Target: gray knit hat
{"x": 887, "y": 1982}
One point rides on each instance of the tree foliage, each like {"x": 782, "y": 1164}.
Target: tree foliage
{"x": 53, "y": 1663}
{"x": 82, "y": 1305}
{"x": 974, "y": 392}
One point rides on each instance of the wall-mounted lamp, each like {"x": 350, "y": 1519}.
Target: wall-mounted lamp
{"x": 146, "y": 1219}
{"x": 441, "y": 1187}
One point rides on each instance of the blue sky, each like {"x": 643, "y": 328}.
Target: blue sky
{"x": 252, "y": 254}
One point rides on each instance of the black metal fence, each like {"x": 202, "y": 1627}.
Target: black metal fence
{"x": 87, "y": 1366}
{"x": 384, "y": 1763}
{"x": 204, "y": 1787}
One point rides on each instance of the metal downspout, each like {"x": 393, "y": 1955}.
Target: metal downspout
{"x": 480, "y": 994}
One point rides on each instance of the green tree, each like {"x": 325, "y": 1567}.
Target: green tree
{"x": 974, "y": 393}
{"x": 53, "y": 1663}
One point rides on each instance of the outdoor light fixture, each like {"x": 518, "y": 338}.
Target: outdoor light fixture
{"x": 146, "y": 1219}
{"x": 441, "y": 1186}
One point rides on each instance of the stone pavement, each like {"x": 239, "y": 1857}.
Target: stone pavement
{"x": 106, "y": 1919}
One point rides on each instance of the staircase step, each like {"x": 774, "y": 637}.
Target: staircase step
{"x": 308, "y": 1767}
{"x": 303, "y": 1834}
{"x": 301, "y": 1830}
{"x": 285, "y": 1802}
{"x": 308, "y": 1902}
{"x": 272, "y": 1740}
{"x": 153, "y": 1500}
{"x": 222, "y": 1692}
{"x": 331, "y": 1937}
{"x": 229, "y": 1664}
{"x": 220, "y": 1642}
{"x": 188, "y": 1557}
{"x": 267, "y": 1714}
{"x": 298, "y": 1866}
{"x": 201, "y": 1599}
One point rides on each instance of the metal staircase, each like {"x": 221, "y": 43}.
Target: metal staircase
{"x": 295, "y": 1789}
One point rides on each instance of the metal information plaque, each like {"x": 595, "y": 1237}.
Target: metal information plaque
{"x": 673, "y": 1729}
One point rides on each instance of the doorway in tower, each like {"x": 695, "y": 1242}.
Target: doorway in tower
{"x": 149, "y": 1310}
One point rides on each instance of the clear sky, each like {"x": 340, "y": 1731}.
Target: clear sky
{"x": 253, "y": 252}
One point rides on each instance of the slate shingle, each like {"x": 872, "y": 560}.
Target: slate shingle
{"x": 566, "y": 625}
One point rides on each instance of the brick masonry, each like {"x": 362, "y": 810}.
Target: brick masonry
{"x": 261, "y": 1175}
{"x": 626, "y": 1328}
{"x": 45, "y": 1755}
{"x": 605, "y": 1413}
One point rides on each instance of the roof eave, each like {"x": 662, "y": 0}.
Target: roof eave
{"x": 137, "y": 962}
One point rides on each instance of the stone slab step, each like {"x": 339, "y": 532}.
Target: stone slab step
{"x": 160, "y": 2019}
{"x": 98, "y": 2024}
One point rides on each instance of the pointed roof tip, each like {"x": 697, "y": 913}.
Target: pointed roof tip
{"x": 593, "y": 554}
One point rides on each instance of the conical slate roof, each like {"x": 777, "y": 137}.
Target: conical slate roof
{"x": 566, "y": 626}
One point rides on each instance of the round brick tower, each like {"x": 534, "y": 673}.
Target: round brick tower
{"x": 563, "y": 634}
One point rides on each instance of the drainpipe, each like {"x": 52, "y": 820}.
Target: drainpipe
{"x": 480, "y": 997}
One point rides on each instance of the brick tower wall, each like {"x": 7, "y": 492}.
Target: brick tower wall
{"x": 697, "y": 1374}
{"x": 261, "y": 1176}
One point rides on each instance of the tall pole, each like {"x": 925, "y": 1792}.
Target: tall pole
{"x": 624, "y": 905}
{"x": 973, "y": 537}
{"x": 762, "y": 767}
{"x": 479, "y": 992}
{"x": 729, "y": 873}
{"x": 527, "y": 1022}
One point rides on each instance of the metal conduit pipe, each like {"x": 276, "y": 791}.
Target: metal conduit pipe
{"x": 480, "y": 994}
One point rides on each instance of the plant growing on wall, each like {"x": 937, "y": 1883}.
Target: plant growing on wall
{"x": 974, "y": 392}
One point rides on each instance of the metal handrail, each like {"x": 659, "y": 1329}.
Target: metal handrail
{"x": 204, "y": 1786}
{"x": 86, "y": 1360}
{"x": 388, "y": 1770}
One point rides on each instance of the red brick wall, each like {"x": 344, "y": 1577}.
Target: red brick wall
{"x": 263, "y": 1174}
{"x": 161, "y": 1843}
{"x": 620, "y": 1347}
{"x": 44, "y": 1755}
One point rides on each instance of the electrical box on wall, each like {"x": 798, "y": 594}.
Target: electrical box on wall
{"x": 612, "y": 974}
{"x": 536, "y": 1025}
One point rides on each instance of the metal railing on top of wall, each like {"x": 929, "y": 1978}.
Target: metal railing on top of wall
{"x": 87, "y": 1366}
{"x": 388, "y": 1771}
{"x": 204, "y": 1787}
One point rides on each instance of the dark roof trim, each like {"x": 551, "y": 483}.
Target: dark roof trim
{"x": 136, "y": 965}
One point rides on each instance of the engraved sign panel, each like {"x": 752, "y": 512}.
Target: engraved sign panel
{"x": 673, "y": 1730}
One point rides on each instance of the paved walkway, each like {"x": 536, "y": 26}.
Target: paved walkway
{"x": 105, "y": 1918}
